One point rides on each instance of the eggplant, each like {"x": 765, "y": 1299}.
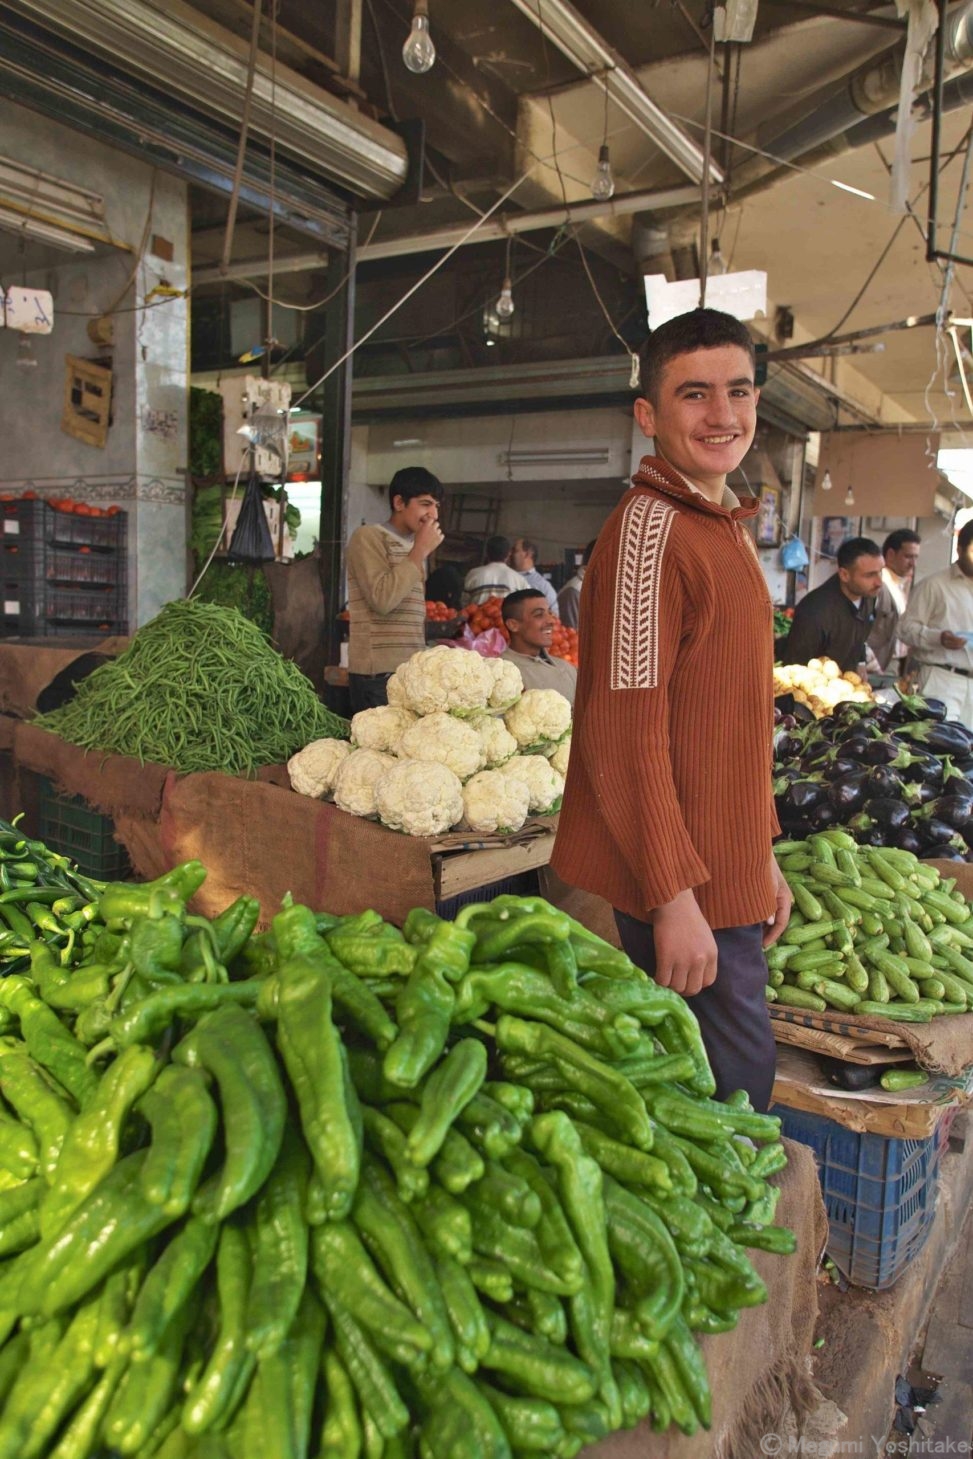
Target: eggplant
{"x": 822, "y": 816}
{"x": 953, "y": 810}
{"x": 946, "y": 737}
{"x": 855, "y": 747}
{"x": 840, "y": 766}
{"x": 907, "y": 839}
{"x": 918, "y": 793}
{"x": 787, "y": 746}
{"x": 933, "y": 832}
{"x": 802, "y": 796}
{"x": 848, "y": 793}
{"x": 784, "y": 775}
{"x": 917, "y": 765}
{"x": 883, "y": 751}
{"x": 945, "y": 851}
{"x": 886, "y": 812}
{"x": 882, "y": 781}
{"x": 912, "y": 708}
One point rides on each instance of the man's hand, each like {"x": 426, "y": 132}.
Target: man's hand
{"x": 685, "y": 948}
{"x": 951, "y": 640}
{"x": 429, "y": 536}
{"x": 777, "y": 924}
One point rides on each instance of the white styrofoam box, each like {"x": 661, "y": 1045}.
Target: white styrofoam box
{"x": 744, "y": 295}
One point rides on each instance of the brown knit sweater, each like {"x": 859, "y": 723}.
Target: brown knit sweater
{"x": 669, "y": 780}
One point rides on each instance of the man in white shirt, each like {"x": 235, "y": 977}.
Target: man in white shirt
{"x": 494, "y": 579}
{"x": 901, "y": 553}
{"x": 523, "y": 559}
{"x": 938, "y": 626}
{"x": 569, "y": 598}
{"x": 529, "y": 621}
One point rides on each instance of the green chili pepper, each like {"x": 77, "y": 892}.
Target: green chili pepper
{"x": 280, "y": 1250}
{"x": 445, "y": 1223}
{"x": 49, "y": 1043}
{"x": 345, "y": 1272}
{"x": 314, "y": 1056}
{"x": 183, "y": 1120}
{"x": 286, "y": 1383}
{"x": 532, "y": 1365}
{"x": 554, "y": 1233}
{"x": 152, "y": 1015}
{"x": 230, "y": 1046}
{"x": 341, "y": 1435}
{"x": 49, "y": 1390}
{"x": 123, "y": 902}
{"x": 207, "y": 1400}
{"x": 423, "y": 1010}
{"x": 465, "y": 1311}
{"x": 384, "y": 1137}
{"x": 79, "y": 1439}
{"x": 91, "y": 1146}
{"x": 48, "y": 1113}
{"x": 18, "y": 1149}
{"x": 373, "y": 1383}
{"x": 447, "y": 1090}
{"x": 170, "y": 1283}
{"x": 147, "y": 1389}
{"x": 509, "y": 1194}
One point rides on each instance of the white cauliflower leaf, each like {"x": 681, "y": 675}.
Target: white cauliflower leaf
{"x": 354, "y": 787}
{"x": 495, "y": 802}
{"x": 439, "y": 736}
{"x": 312, "y": 770}
{"x": 421, "y": 797}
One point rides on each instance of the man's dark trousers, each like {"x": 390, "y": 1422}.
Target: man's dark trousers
{"x": 732, "y": 1012}
{"x": 368, "y": 691}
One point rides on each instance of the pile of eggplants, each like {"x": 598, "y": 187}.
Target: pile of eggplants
{"x": 891, "y": 775}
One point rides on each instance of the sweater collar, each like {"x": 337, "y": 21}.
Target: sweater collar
{"x": 659, "y": 476}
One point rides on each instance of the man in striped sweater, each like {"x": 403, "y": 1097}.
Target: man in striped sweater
{"x": 668, "y": 811}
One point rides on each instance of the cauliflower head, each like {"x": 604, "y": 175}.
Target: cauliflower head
{"x": 452, "y": 742}
{"x": 420, "y": 797}
{"x": 559, "y": 760}
{"x": 395, "y": 690}
{"x": 380, "y": 728}
{"x": 540, "y": 717}
{"x": 497, "y": 743}
{"x": 544, "y": 785}
{"x": 445, "y": 678}
{"x": 354, "y": 787}
{"x": 493, "y": 801}
{"x": 508, "y": 684}
{"x": 312, "y": 770}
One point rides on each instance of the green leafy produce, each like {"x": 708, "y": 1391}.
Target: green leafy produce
{"x": 198, "y": 688}
{"x": 473, "y": 1235}
{"x": 874, "y": 931}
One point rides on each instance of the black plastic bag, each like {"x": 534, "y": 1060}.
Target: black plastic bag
{"x": 251, "y": 540}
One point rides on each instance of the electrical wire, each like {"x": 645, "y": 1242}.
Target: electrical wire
{"x": 222, "y": 533}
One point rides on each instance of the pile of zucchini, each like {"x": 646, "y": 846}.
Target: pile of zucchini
{"x": 873, "y": 931}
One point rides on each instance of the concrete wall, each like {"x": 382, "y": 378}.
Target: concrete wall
{"x": 142, "y": 464}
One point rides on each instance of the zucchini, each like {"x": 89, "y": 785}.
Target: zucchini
{"x": 812, "y": 961}
{"x": 894, "y": 1079}
{"x": 954, "y": 989}
{"x": 932, "y": 988}
{"x": 855, "y": 975}
{"x": 885, "y": 872}
{"x": 830, "y": 876}
{"x": 957, "y": 913}
{"x": 839, "y": 995}
{"x": 770, "y": 994}
{"x": 896, "y": 975}
{"x": 840, "y": 840}
{"x": 798, "y": 998}
{"x": 878, "y": 888}
{"x": 842, "y": 940}
{"x": 808, "y": 932}
{"x": 858, "y": 897}
{"x": 916, "y": 941}
{"x": 821, "y": 849}
{"x": 878, "y": 988}
{"x": 898, "y": 1012}
{"x": 840, "y": 911}
{"x": 787, "y": 848}
{"x": 794, "y": 863}
{"x": 847, "y": 862}
{"x": 806, "y": 900}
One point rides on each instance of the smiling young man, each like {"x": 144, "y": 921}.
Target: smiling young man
{"x": 668, "y": 810}
{"x": 530, "y": 624}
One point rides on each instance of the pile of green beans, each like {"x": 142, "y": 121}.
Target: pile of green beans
{"x": 42, "y": 895}
{"x": 199, "y": 688}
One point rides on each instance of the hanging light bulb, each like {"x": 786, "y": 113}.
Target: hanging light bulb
{"x": 26, "y": 359}
{"x": 849, "y": 497}
{"x": 603, "y": 182}
{"x": 419, "y": 53}
{"x": 826, "y": 482}
{"x": 505, "y": 304}
{"x": 717, "y": 263}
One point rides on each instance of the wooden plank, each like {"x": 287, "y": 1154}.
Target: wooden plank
{"x": 467, "y": 870}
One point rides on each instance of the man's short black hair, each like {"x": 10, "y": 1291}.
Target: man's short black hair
{"x": 517, "y": 599}
{"x": 413, "y": 481}
{"x": 895, "y": 541}
{"x": 700, "y": 329}
{"x": 586, "y": 555}
{"x": 855, "y": 548}
{"x": 497, "y": 549}
{"x": 965, "y": 536}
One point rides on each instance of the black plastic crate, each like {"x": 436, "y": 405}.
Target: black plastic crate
{"x": 37, "y": 563}
{"x": 524, "y": 884}
{"x": 31, "y": 521}
{"x": 67, "y": 824}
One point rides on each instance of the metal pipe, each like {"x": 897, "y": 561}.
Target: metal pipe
{"x": 937, "y": 113}
{"x": 241, "y": 150}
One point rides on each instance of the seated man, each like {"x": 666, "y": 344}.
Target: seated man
{"x": 529, "y": 621}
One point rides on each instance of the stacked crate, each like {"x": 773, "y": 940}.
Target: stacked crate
{"x": 62, "y": 574}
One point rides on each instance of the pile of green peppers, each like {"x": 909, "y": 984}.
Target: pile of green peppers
{"x": 340, "y": 1190}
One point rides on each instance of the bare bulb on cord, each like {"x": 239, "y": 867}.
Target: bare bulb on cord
{"x": 849, "y": 497}
{"x": 603, "y": 182}
{"x": 717, "y": 263}
{"x": 826, "y": 480}
{"x": 505, "y": 304}
{"x": 419, "y": 52}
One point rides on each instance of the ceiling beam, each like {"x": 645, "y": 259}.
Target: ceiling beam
{"x": 512, "y": 223}
{"x": 585, "y": 48}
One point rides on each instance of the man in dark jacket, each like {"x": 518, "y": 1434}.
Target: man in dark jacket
{"x": 834, "y": 621}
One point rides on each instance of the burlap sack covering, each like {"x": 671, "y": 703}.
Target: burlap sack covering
{"x": 943, "y": 1046}
{"x": 758, "y": 1372}
{"x": 27, "y": 668}
{"x": 266, "y": 841}
{"x": 112, "y": 784}
{"x": 590, "y": 910}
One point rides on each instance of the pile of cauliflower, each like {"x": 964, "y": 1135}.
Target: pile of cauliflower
{"x": 820, "y": 685}
{"x": 460, "y": 743}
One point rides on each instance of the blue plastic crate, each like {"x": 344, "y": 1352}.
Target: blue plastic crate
{"x": 524, "y": 884}
{"x": 880, "y": 1195}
